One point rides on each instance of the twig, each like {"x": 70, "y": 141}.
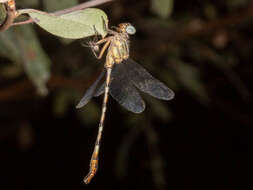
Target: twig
{"x": 68, "y": 10}
{"x": 11, "y": 15}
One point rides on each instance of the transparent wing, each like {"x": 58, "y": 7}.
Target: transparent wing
{"x": 90, "y": 92}
{"x": 100, "y": 90}
{"x": 123, "y": 90}
{"x": 143, "y": 80}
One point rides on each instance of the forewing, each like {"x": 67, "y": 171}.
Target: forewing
{"x": 100, "y": 90}
{"x": 143, "y": 80}
{"x": 123, "y": 90}
{"x": 90, "y": 92}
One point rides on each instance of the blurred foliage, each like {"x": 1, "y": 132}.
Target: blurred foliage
{"x": 21, "y": 46}
{"x": 2, "y": 13}
{"x": 234, "y": 4}
{"x": 162, "y": 8}
{"x": 28, "y": 3}
{"x": 51, "y": 6}
{"x": 189, "y": 77}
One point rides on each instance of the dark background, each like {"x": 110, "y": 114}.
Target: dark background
{"x": 202, "y": 139}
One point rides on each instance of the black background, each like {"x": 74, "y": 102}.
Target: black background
{"x": 202, "y": 145}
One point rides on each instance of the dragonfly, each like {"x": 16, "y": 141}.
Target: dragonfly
{"x": 123, "y": 76}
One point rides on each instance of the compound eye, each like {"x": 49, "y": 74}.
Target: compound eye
{"x": 130, "y": 29}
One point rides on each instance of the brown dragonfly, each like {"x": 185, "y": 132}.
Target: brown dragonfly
{"x": 123, "y": 77}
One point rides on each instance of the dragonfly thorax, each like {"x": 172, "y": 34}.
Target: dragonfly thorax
{"x": 118, "y": 49}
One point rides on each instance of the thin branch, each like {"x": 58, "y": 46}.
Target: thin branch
{"x": 30, "y": 20}
{"x": 68, "y": 10}
{"x": 11, "y": 15}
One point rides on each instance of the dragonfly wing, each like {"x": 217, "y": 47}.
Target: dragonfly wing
{"x": 123, "y": 90}
{"x": 143, "y": 80}
{"x": 100, "y": 90}
{"x": 90, "y": 92}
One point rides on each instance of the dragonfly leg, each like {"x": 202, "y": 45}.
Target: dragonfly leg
{"x": 95, "y": 47}
{"x": 111, "y": 31}
{"x": 102, "y": 41}
{"x": 103, "y": 49}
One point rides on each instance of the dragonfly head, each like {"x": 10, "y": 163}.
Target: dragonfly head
{"x": 126, "y": 28}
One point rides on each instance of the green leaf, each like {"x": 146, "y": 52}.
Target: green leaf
{"x": 54, "y": 5}
{"x": 37, "y": 64}
{"x": 3, "y": 13}
{"x": 21, "y": 45}
{"x": 94, "y": 18}
{"x": 162, "y": 8}
{"x": 75, "y": 25}
{"x": 8, "y": 47}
